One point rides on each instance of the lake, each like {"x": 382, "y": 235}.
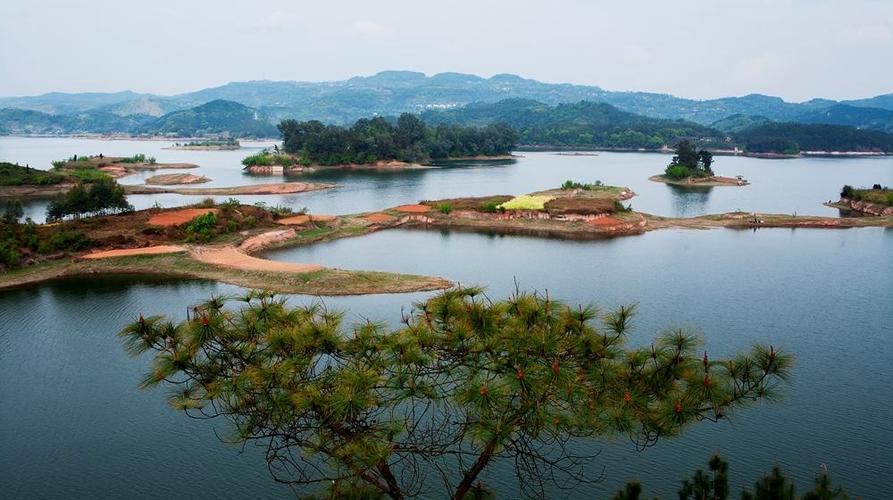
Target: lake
{"x": 778, "y": 186}
{"x": 74, "y": 424}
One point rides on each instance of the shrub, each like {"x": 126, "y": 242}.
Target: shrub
{"x": 13, "y": 212}
{"x": 9, "y": 253}
{"x": 847, "y": 192}
{"x": 569, "y": 184}
{"x": 202, "y": 228}
{"x": 70, "y": 241}
{"x": 207, "y": 203}
{"x": 444, "y": 208}
{"x": 677, "y": 172}
{"x": 492, "y": 207}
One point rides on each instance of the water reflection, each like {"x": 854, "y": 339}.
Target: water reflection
{"x": 689, "y": 201}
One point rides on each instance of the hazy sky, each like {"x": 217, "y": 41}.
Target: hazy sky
{"x": 797, "y": 49}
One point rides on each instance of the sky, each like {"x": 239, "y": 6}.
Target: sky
{"x": 796, "y": 49}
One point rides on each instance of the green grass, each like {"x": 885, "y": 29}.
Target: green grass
{"x": 12, "y": 174}
{"x": 88, "y": 175}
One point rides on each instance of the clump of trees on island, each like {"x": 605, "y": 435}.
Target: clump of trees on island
{"x": 409, "y": 139}
{"x": 102, "y": 197}
{"x": 19, "y": 238}
{"x": 689, "y": 162}
{"x": 465, "y": 383}
{"x": 878, "y": 194}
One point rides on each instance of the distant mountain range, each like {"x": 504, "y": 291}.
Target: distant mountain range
{"x": 392, "y": 92}
{"x": 214, "y": 118}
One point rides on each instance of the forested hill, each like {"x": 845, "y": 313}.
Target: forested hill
{"x": 792, "y": 138}
{"x": 582, "y": 124}
{"x": 213, "y": 118}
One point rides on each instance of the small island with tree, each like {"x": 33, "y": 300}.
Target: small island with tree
{"x": 693, "y": 167}
{"x": 225, "y": 144}
{"x": 378, "y": 143}
{"x": 877, "y": 201}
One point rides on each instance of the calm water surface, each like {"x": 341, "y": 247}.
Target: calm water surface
{"x": 780, "y": 186}
{"x": 74, "y": 424}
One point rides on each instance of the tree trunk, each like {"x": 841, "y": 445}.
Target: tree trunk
{"x": 472, "y": 473}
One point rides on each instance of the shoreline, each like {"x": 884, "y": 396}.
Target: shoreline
{"x": 379, "y": 165}
{"x": 712, "y": 181}
{"x": 251, "y": 270}
{"x": 250, "y": 189}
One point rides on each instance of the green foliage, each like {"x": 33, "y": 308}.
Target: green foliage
{"x": 579, "y": 124}
{"x": 689, "y": 162}
{"x": 714, "y": 485}
{"x": 496, "y": 380}
{"x": 410, "y": 140}
{"x": 492, "y": 207}
{"x": 137, "y": 158}
{"x": 791, "y": 138}
{"x": 230, "y": 141}
{"x": 12, "y": 212}
{"x": 677, "y": 172}
{"x": 69, "y": 240}
{"x": 213, "y": 117}
{"x": 266, "y": 158}
{"x": 880, "y": 195}
{"x": 12, "y": 174}
{"x": 569, "y": 184}
{"x": 89, "y": 175}
{"x": 101, "y": 197}
{"x": 202, "y": 228}
{"x": 445, "y": 208}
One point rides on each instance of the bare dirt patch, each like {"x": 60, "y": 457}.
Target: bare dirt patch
{"x": 323, "y": 218}
{"x": 413, "y": 209}
{"x": 294, "y": 220}
{"x": 230, "y": 256}
{"x": 378, "y": 218}
{"x": 169, "y": 179}
{"x": 126, "y": 252}
{"x": 264, "y": 240}
{"x": 177, "y": 217}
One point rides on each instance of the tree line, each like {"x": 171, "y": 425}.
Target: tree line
{"x": 376, "y": 139}
{"x": 102, "y": 197}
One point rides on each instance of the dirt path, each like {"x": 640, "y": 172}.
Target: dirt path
{"x": 232, "y": 257}
{"x": 125, "y": 252}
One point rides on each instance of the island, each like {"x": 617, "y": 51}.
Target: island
{"x": 250, "y": 189}
{"x": 94, "y": 230}
{"x": 377, "y": 143}
{"x": 173, "y": 179}
{"x": 17, "y": 181}
{"x": 230, "y": 144}
{"x": 877, "y": 201}
{"x": 691, "y": 167}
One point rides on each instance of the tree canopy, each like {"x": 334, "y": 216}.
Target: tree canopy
{"x": 101, "y": 197}
{"x": 689, "y": 162}
{"x": 464, "y": 383}
{"x": 376, "y": 139}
